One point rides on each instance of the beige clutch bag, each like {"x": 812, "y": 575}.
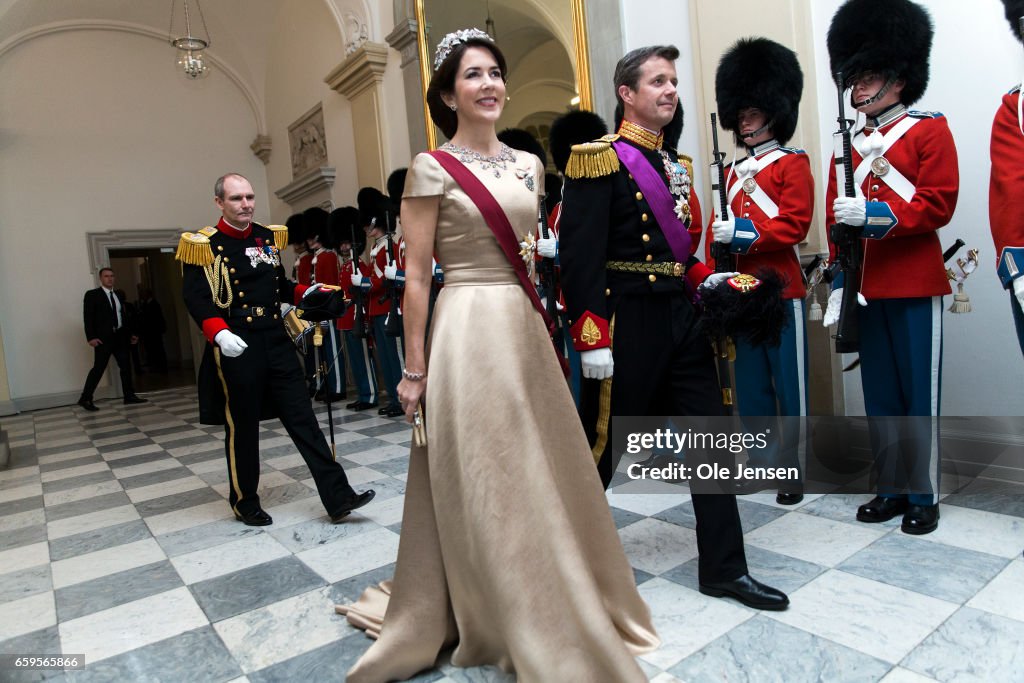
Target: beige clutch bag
{"x": 419, "y": 428}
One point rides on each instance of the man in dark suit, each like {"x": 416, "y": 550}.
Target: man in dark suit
{"x": 108, "y": 334}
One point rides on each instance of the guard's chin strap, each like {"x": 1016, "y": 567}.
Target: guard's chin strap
{"x": 874, "y": 98}
{"x": 762, "y": 129}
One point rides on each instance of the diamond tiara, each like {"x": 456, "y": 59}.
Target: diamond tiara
{"x": 450, "y": 41}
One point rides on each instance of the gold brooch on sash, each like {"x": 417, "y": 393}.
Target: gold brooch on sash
{"x": 880, "y": 166}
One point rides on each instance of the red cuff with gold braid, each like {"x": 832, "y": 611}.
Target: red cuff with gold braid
{"x": 590, "y": 332}
{"x": 211, "y": 326}
{"x": 697, "y": 273}
{"x": 299, "y": 291}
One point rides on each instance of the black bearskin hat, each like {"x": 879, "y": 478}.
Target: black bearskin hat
{"x": 1014, "y": 11}
{"x": 757, "y": 315}
{"x": 672, "y": 131}
{"x": 343, "y": 226}
{"x": 517, "y": 138}
{"x": 315, "y": 220}
{"x": 296, "y": 229}
{"x": 570, "y": 129}
{"x": 888, "y": 36}
{"x": 757, "y": 72}
{"x": 375, "y": 207}
{"x": 396, "y": 186}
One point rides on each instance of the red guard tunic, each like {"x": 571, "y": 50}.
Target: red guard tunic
{"x": 902, "y": 252}
{"x": 347, "y": 321}
{"x": 304, "y": 269}
{"x": 1006, "y": 189}
{"x": 378, "y": 283}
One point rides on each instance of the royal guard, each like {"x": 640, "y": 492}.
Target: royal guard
{"x": 344, "y": 228}
{"x": 771, "y": 200}
{"x": 1006, "y": 189}
{"x": 331, "y": 377}
{"x": 395, "y": 272}
{"x": 297, "y": 241}
{"x": 377, "y": 216}
{"x": 906, "y": 182}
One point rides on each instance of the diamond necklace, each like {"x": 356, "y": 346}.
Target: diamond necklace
{"x": 498, "y": 161}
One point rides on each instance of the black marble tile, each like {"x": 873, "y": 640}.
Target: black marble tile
{"x": 12, "y": 507}
{"x": 98, "y": 539}
{"x": 215, "y": 452}
{"x": 43, "y": 641}
{"x": 348, "y": 590}
{"x": 65, "y": 464}
{"x": 680, "y": 515}
{"x": 254, "y": 587}
{"x": 25, "y": 582}
{"x": 392, "y": 467}
{"x": 140, "y": 459}
{"x": 640, "y": 576}
{"x": 326, "y": 664}
{"x": 624, "y": 518}
{"x": 76, "y": 482}
{"x": 159, "y": 477}
{"x": 381, "y": 430}
{"x": 197, "y": 655}
{"x": 100, "y": 435}
{"x": 115, "y": 589}
{"x": 44, "y": 450}
{"x": 187, "y": 441}
{"x": 15, "y": 538}
{"x": 177, "y": 501}
{"x": 116, "y": 447}
{"x": 86, "y": 505}
{"x": 989, "y": 495}
{"x": 163, "y": 431}
{"x": 360, "y": 445}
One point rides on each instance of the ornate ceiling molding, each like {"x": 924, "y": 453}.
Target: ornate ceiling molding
{"x": 314, "y": 180}
{"x": 361, "y": 70}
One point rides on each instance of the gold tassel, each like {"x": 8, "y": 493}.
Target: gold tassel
{"x": 592, "y": 160}
{"x": 961, "y": 302}
{"x": 194, "y": 249}
{"x": 280, "y": 236}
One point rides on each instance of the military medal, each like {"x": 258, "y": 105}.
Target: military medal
{"x": 880, "y": 166}
{"x": 749, "y": 185}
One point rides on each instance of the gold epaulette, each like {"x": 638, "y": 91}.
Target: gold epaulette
{"x": 688, "y": 163}
{"x": 280, "y": 236}
{"x": 593, "y": 159}
{"x": 194, "y": 248}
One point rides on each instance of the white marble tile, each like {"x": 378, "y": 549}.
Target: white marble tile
{"x": 987, "y": 532}
{"x": 113, "y": 457}
{"x": 267, "y": 441}
{"x": 685, "y": 620}
{"x": 384, "y": 512}
{"x": 18, "y": 473}
{"x": 64, "y": 441}
{"x": 877, "y": 619}
{"x": 301, "y": 510}
{"x": 655, "y": 546}
{"x": 352, "y": 555}
{"x": 19, "y": 617}
{"x": 768, "y": 498}
{"x": 81, "y": 493}
{"x": 228, "y": 557}
{"x": 30, "y": 490}
{"x": 379, "y": 454}
{"x": 362, "y": 475}
{"x": 665, "y": 677}
{"x": 901, "y": 675}
{"x": 214, "y": 445}
{"x": 57, "y": 475}
{"x": 257, "y": 640}
{"x": 69, "y": 455}
{"x": 20, "y": 520}
{"x": 644, "y": 503}
{"x": 104, "y": 562}
{"x": 189, "y": 517}
{"x": 272, "y": 479}
{"x": 91, "y": 521}
{"x": 814, "y": 539}
{"x": 396, "y": 437}
{"x": 1004, "y": 595}
{"x": 185, "y": 433}
{"x": 208, "y": 466}
{"x": 285, "y": 462}
{"x": 24, "y": 557}
{"x": 121, "y": 438}
{"x": 144, "y": 468}
{"x": 166, "y": 488}
{"x": 132, "y": 625}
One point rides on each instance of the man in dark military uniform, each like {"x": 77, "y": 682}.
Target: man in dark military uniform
{"x": 233, "y": 288}
{"x": 629, "y": 275}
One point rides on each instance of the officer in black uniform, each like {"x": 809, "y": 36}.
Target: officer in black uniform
{"x": 233, "y": 288}
{"x": 629, "y": 288}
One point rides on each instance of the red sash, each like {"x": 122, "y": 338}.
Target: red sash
{"x": 499, "y": 224}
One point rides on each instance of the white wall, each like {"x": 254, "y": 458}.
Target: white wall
{"x": 97, "y": 133}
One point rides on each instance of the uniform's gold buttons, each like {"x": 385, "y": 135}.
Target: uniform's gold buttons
{"x": 652, "y": 277}
{"x": 241, "y": 294}
{"x": 646, "y": 237}
{"x": 226, "y": 259}
{"x": 245, "y": 305}
{"x": 220, "y": 248}
{"x": 650, "y": 258}
{"x": 607, "y": 292}
{"x": 248, "y": 319}
{"x": 275, "y": 316}
{"x": 630, "y": 176}
{"x": 639, "y": 196}
{"x": 232, "y": 271}
{"x": 236, "y": 282}
{"x": 644, "y": 217}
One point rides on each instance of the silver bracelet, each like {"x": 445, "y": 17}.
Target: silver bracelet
{"x": 414, "y": 376}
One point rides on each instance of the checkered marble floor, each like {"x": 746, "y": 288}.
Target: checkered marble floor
{"x": 116, "y": 541}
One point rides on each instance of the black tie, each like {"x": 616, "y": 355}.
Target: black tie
{"x": 113, "y": 307}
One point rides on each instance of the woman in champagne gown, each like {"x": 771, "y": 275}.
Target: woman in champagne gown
{"x": 508, "y": 550}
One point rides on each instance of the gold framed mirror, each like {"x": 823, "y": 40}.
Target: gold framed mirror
{"x": 544, "y": 41}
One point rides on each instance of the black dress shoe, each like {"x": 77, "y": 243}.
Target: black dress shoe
{"x": 920, "y": 519}
{"x": 362, "y": 405}
{"x": 257, "y": 517}
{"x": 748, "y": 591}
{"x": 132, "y": 399}
{"x": 354, "y": 503}
{"x": 383, "y": 411}
{"x": 880, "y": 509}
{"x": 88, "y": 405}
{"x": 746, "y": 487}
{"x": 783, "y": 498}
{"x": 394, "y": 411}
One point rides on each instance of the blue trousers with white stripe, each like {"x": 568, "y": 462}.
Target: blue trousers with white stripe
{"x": 901, "y": 370}
{"x": 1018, "y": 319}
{"x": 332, "y": 359}
{"x": 364, "y": 370}
{"x": 772, "y": 381}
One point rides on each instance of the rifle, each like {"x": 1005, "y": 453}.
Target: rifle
{"x": 846, "y": 238}
{"x": 393, "y": 323}
{"x": 723, "y": 264}
{"x": 546, "y": 270}
{"x": 358, "y": 299}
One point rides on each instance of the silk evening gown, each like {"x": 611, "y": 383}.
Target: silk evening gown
{"x": 508, "y": 550}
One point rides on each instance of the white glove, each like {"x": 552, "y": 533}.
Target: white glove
{"x": 597, "y": 364}
{"x": 231, "y": 345}
{"x": 850, "y": 211}
{"x": 391, "y": 271}
{"x": 723, "y": 231}
{"x": 357, "y": 280}
{"x": 716, "y": 279}
{"x": 835, "y": 302}
{"x": 548, "y": 248}
{"x": 1018, "y": 291}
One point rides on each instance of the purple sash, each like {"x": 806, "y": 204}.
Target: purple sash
{"x": 662, "y": 203}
